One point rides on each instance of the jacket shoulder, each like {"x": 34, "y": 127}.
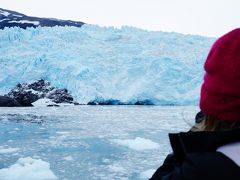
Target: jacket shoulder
{"x": 209, "y": 165}
{"x": 199, "y": 166}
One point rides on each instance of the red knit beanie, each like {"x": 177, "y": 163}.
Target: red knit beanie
{"x": 220, "y": 92}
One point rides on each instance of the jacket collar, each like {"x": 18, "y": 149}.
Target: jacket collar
{"x": 205, "y": 141}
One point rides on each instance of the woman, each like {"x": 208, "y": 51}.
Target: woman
{"x": 211, "y": 150}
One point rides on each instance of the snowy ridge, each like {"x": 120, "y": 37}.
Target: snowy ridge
{"x": 14, "y": 19}
{"x": 128, "y": 65}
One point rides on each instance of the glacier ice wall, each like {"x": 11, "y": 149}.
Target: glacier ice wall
{"x": 94, "y": 62}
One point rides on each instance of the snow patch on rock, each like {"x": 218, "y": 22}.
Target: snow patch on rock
{"x": 17, "y": 15}
{"x": 26, "y": 21}
{"x": 5, "y": 13}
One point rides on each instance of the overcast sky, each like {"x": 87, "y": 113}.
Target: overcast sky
{"x": 203, "y": 17}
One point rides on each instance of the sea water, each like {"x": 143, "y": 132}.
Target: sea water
{"x": 88, "y": 142}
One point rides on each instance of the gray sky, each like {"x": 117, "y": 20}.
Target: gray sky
{"x": 204, "y": 17}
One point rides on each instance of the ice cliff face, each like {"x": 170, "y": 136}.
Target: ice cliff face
{"x": 97, "y": 63}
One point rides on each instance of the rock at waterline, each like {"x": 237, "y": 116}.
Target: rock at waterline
{"x": 25, "y": 94}
{"x": 8, "y": 102}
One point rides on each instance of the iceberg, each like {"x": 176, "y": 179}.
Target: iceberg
{"x": 126, "y": 65}
{"x": 138, "y": 144}
{"x": 28, "y": 168}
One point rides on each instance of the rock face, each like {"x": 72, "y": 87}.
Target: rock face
{"x": 14, "y": 19}
{"x": 60, "y": 96}
{"x": 8, "y": 102}
{"x": 26, "y": 94}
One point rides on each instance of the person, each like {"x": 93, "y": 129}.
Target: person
{"x": 211, "y": 149}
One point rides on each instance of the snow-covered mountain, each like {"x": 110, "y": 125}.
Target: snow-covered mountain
{"x": 11, "y": 19}
{"x": 106, "y": 65}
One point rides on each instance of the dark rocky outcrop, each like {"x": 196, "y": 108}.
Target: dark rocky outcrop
{"x": 25, "y": 94}
{"x": 60, "y": 96}
{"x": 24, "y": 98}
{"x": 8, "y": 102}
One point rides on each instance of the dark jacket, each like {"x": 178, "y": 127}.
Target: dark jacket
{"x": 194, "y": 157}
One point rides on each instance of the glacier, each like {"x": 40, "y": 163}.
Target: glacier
{"x": 106, "y": 63}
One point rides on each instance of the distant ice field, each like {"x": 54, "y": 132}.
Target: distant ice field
{"x": 88, "y": 142}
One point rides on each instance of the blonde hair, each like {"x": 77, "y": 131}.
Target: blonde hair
{"x": 212, "y": 124}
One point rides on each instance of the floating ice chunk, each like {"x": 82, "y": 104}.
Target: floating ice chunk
{"x": 48, "y": 102}
{"x": 68, "y": 158}
{"x": 65, "y": 104}
{"x": 43, "y": 102}
{"x": 28, "y": 169}
{"x": 8, "y": 150}
{"x": 63, "y": 132}
{"x": 147, "y": 174}
{"x": 116, "y": 168}
{"x": 138, "y": 144}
